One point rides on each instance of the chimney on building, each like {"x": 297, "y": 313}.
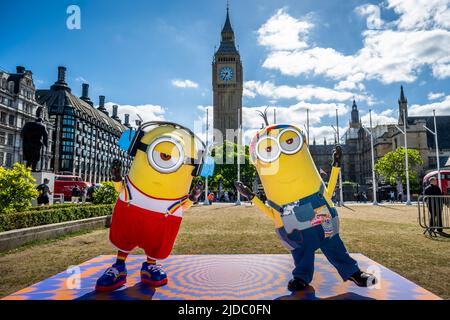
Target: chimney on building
{"x": 85, "y": 94}
{"x": 101, "y": 105}
{"x": 62, "y": 74}
{"x": 61, "y": 84}
{"x": 20, "y": 69}
{"x": 115, "y": 109}
{"x": 127, "y": 121}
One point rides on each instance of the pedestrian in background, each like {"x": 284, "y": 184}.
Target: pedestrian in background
{"x": 434, "y": 203}
{"x": 44, "y": 191}
{"x": 75, "y": 194}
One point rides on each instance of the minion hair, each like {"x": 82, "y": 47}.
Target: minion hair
{"x": 263, "y": 114}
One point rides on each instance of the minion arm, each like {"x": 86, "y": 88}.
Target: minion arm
{"x": 333, "y": 180}
{"x": 186, "y": 204}
{"x": 268, "y": 211}
{"x": 118, "y": 185}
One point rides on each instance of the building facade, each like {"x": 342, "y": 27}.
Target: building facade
{"x": 18, "y": 106}
{"x": 227, "y": 82}
{"x": 85, "y": 137}
{"x": 357, "y": 165}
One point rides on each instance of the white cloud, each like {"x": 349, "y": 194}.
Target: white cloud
{"x": 324, "y": 132}
{"x": 301, "y": 93}
{"x": 395, "y": 53}
{"x": 184, "y": 83}
{"x": 435, "y": 96}
{"x": 81, "y": 79}
{"x": 296, "y": 114}
{"x": 373, "y": 14}
{"x": 379, "y": 118}
{"x": 148, "y": 112}
{"x": 283, "y": 32}
{"x": 421, "y": 14}
{"x": 442, "y": 108}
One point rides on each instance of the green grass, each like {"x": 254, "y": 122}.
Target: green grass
{"x": 388, "y": 235}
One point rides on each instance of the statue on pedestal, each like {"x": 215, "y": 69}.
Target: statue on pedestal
{"x": 34, "y": 136}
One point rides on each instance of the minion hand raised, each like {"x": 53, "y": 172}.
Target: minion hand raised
{"x": 196, "y": 192}
{"x": 116, "y": 170}
{"x": 244, "y": 190}
{"x": 337, "y": 156}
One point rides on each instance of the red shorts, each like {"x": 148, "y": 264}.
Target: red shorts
{"x": 133, "y": 227}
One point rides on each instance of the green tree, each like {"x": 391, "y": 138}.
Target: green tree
{"x": 105, "y": 193}
{"x": 226, "y": 171}
{"x": 392, "y": 166}
{"x": 17, "y": 188}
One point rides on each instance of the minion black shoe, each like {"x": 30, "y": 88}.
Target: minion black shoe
{"x": 363, "y": 279}
{"x": 296, "y": 284}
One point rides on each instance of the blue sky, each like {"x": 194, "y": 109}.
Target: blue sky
{"x": 155, "y": 57}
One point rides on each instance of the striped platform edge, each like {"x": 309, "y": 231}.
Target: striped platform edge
{"x": 241, "y": 277}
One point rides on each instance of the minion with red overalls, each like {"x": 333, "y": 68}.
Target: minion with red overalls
{"x": 153, "y": 197}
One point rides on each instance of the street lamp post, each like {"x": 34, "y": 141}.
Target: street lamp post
{"x": 341, "y": 192}
{"x": 408, "y": 193}
{"x": 238, "y": 198}
{"x": 374, "y": 182}
{"x": 206, "y": 202}
{"x": 435, "y": 133}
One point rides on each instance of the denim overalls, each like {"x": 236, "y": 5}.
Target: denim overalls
{"x": 309, "y": 224}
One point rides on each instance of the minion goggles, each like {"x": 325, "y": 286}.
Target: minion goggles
{"x": 267, "y": 148}
{"x": 130, "y": 141}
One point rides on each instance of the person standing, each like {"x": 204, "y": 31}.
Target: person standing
{"x": 44, "y": 191}
{"x": 392, "y": 196}
{"x": 75, "y": 194}
{"x": 434, "y": 203}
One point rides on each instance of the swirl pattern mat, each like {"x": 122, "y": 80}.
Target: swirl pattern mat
{"x": 224, "y": 277}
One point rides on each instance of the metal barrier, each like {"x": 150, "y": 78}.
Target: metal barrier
{"x": 434, "y": 215}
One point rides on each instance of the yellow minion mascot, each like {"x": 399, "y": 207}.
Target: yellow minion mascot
{"x": 300, "y": 203}
{"x": 153, "y": 196}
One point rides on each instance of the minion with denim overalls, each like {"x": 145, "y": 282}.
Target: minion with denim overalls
{"x": 300, "y": 203}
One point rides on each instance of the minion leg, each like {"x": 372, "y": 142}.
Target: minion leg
{"x": 334, "y": 249}
{"x": 304, "y": 255}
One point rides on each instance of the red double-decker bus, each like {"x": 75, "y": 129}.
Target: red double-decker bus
{"x": 445, "y": 180}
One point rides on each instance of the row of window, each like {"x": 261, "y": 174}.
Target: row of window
{"x": 6, "y": 118}
{"x": 6, "y": 159}
{"x": 6, "y": 139}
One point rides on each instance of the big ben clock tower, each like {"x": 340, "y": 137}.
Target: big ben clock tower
{"x": 227, "y": 80}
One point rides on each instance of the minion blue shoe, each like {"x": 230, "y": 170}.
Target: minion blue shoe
{"x": 153, "y": 275}
{"x": 112, "y": 279}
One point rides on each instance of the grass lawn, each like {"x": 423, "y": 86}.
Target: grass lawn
{"x": 389, "y": 235}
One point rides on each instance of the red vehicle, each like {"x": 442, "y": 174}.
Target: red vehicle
{"x": 445, "y": 180}
{"x": 65, "y": 184}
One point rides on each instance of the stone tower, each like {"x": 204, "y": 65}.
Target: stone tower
{"x": 402, "y": 106}
{"x": 227, "y": 81}
{"x": 355, "y": 121}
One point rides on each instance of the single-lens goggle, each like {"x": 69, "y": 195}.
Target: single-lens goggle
{"x": 288, "y": 141}
{"x": 166, "y": 154}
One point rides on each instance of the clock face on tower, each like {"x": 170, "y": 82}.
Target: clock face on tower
{"x": 226, "y": 73}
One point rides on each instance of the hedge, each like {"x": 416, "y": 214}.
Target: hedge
{"x": 55, "y": 206}
{"x": 34, "y": 218}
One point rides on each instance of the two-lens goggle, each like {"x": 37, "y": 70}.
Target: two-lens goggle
{"x": 166, "y": 154}
{"x": 288, "y": 141}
